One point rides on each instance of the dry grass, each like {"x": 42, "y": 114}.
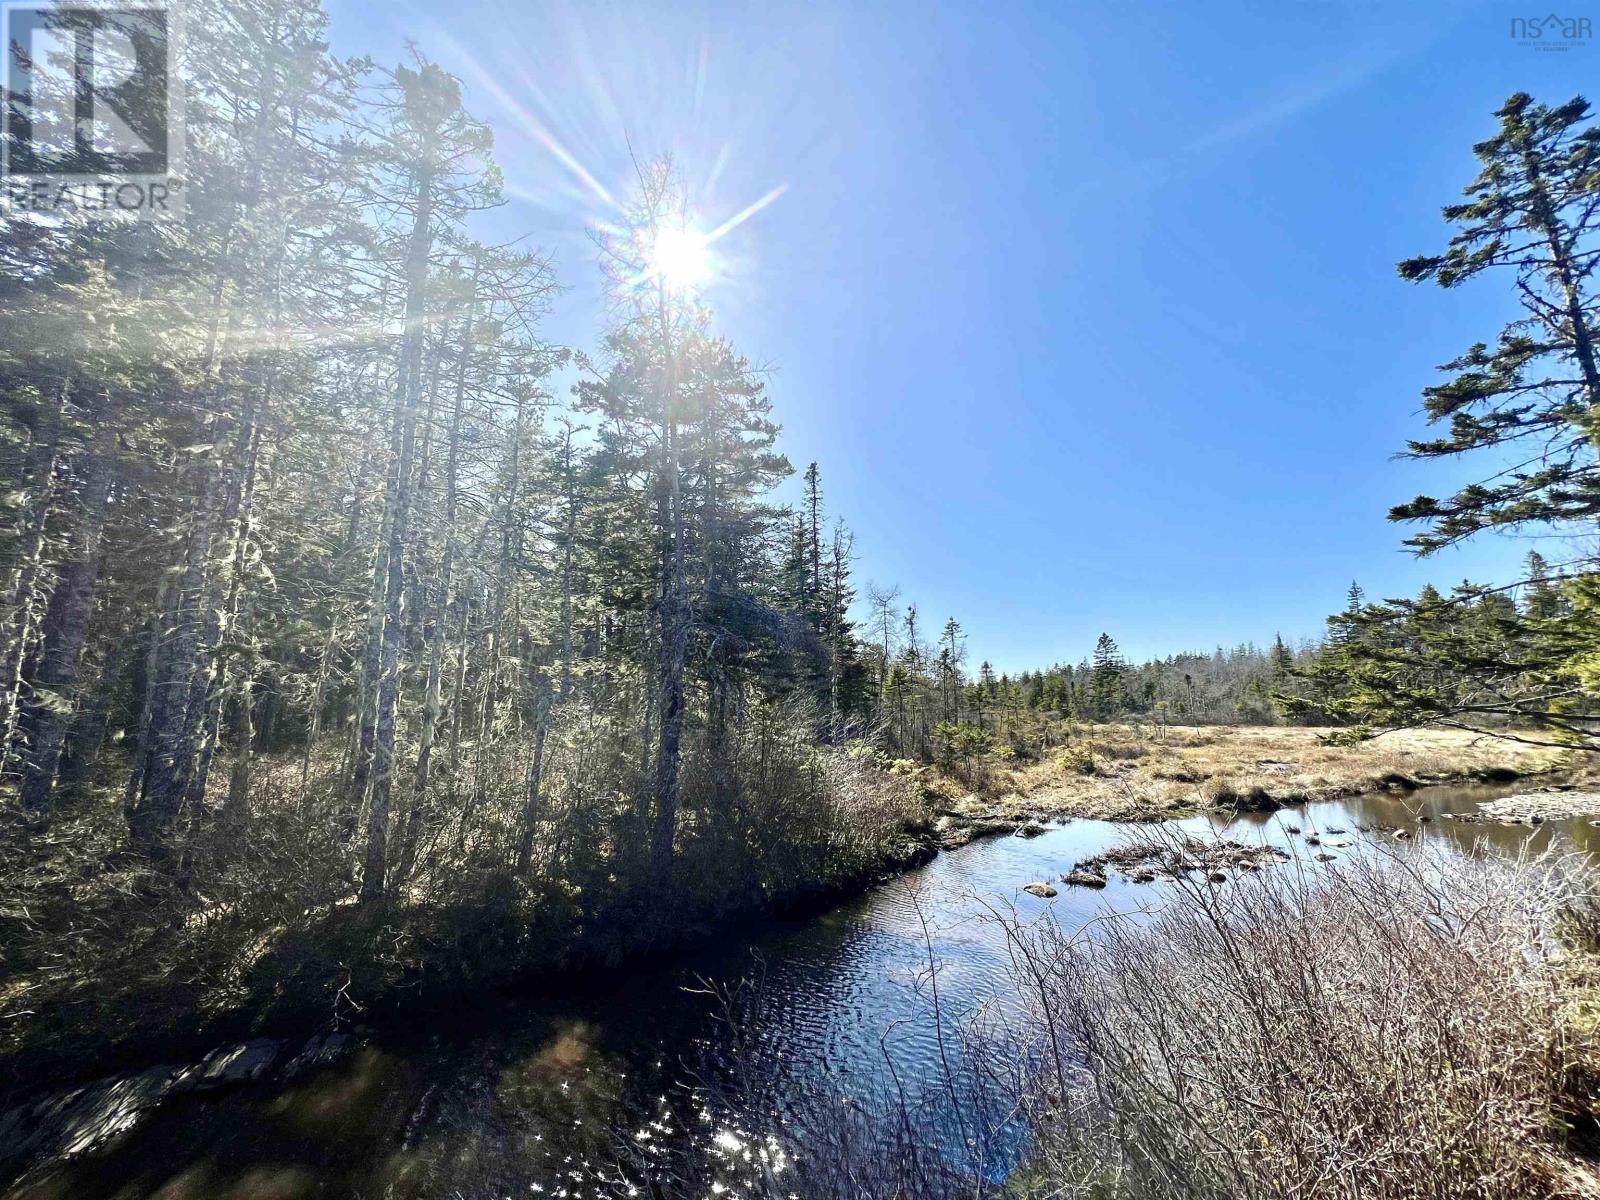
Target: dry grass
{"x": 1128, "y": 772}
{"x": 1397, "y": 1029}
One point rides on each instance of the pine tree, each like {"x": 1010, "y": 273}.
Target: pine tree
{"x": 1542, "y": 599}
{"x": 1474, "y": 660}
{"x": 1105, "y": 686}
{"x": 436, "y": 155}
{"x": 1531, "y": 214}
{"x": 1282, "y": 658}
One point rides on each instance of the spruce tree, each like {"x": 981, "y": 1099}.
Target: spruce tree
{"x": 1531, "y": 215}
{"x": 1105, "y": 680}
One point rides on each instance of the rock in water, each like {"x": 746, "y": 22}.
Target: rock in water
{"x": 1089, "y": 877}
{"x": 1039, "y": 888}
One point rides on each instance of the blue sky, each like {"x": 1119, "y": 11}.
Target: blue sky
{"x": 1088, "y": 311}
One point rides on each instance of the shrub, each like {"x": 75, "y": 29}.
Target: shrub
{"x": 1079, "y": 759}
{"x": 1388, "y": 1029}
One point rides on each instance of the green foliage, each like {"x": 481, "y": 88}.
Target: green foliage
{"x": 1529, "y": 214}
{"x": 956, "y": 742}
{"x": 1478, "y": 659}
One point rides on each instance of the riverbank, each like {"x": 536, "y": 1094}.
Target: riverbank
{"x": 112, "y": 961}
{"x": 1145, "y": 773}
{"x": 198, "y": 970}
{"x": 481, "y": 1095}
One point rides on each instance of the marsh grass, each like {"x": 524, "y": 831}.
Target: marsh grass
{"x": 1142, "y": 772}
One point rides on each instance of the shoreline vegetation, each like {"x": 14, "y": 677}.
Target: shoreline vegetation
{"x": 104, "y": 1000}
{"x": 1499, "y": 957}
{"x": 312, "y": 975}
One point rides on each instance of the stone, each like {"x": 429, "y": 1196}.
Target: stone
{"x": 239, "y": 1064}
{"x": 1039, "y": 888}
{"x": 1089, "y": 877}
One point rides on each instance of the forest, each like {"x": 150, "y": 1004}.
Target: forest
{"x": 359, "y": 642}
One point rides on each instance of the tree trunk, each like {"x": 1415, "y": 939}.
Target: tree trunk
{"x": 398, "y": 500}
{"x": 23, "y": 598}
{"x": 439, "y": 617}
{"x": 674, "y": 627}
{"x": 172, "y": 742}
{"x": 530, "y": 807}
{"x": 66, "y": 624}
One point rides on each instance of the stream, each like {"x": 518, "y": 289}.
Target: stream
{"x": 534, "y": 1097}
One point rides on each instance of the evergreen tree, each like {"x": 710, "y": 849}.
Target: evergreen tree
{"x": 1105, "y": 681}
{"x": 1474, "y": 660}
{"x": 1530, "y": 214}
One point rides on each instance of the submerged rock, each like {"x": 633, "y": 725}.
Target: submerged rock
{"x": 76, "y": 1120}
{"x": 1039, "y": 888}
{"x": 239, "y": 1064}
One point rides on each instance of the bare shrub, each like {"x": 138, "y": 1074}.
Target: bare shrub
{"x": 1386, "y": 1029}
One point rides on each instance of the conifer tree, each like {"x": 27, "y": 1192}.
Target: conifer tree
{"x": 1105, "y": 685}
{"x": 1531, "y": 216}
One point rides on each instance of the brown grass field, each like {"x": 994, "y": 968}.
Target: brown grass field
{"x": 1141, "y": 773}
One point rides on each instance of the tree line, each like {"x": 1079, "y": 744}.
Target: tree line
{"x": 299, "y": 522}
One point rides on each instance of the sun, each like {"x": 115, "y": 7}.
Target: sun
{"x": 681, "y": 258}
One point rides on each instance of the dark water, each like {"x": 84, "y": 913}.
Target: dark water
{"x": 544, "y": 1099}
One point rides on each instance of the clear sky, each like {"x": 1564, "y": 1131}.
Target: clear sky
{"x": 1087, "y": 310}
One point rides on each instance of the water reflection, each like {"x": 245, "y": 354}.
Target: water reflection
{"x": 586, "y": 1097}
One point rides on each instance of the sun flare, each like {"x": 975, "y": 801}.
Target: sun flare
{"x": 681, "y": 258}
